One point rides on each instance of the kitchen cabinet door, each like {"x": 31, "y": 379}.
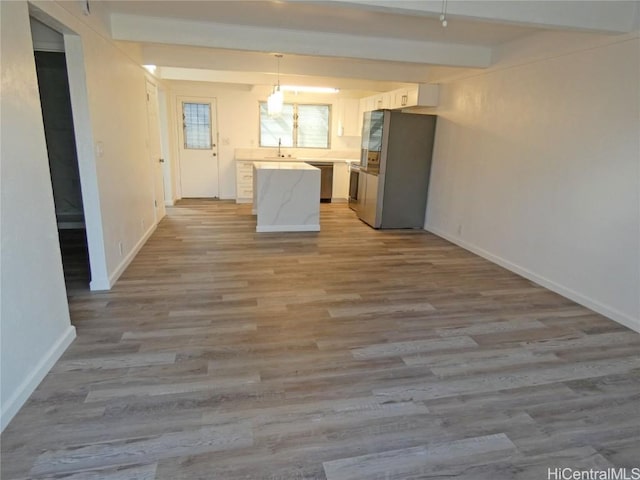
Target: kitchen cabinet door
{"x": 387, "y": 99}
{"x": 361, "y": 110}
{"x": 340, "y": 181}
{"x": 400, "y": 98}
{"x": 412, "y": 96}
{"x": 371, "y": 103}
{"x": 348, "y": 117}
{"x": 427, "y": 95}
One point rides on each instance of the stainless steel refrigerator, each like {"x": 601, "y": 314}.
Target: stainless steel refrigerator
{"x": 395, "y": 168}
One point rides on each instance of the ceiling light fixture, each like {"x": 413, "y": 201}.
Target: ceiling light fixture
{"x": 443, "y": 15}
{"x": 307, "y": 89}
{"x": 276, "y": 99}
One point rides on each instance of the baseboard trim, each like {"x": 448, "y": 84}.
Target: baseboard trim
{"x": 113, "y": 278}
{"x": 32, "y": 380}
{"x": 99, "y": 285}
{"x": 596, "y": 306}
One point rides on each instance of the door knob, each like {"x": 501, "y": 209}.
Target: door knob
{"x": 215, "y": 154}
{"x": 161, "y": 160}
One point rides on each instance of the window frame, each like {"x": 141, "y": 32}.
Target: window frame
{"x": 295, "y": 124}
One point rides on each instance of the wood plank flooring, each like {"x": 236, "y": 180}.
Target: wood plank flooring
{"x": 346, "y": 354}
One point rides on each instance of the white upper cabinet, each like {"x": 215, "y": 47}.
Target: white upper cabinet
{"x": 427, "y": 95}
{"x": 400, "y": 98}
{"x": 361, "y": 110}
{"x": 424, "y": 95}
{"x": 348, "y": 117}
{"x": 371, "y": 103}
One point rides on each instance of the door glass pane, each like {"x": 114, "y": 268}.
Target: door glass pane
{"x": 313, "y": 126}
{"x": 274, "y": 128}
{"x": 196, "y": 121}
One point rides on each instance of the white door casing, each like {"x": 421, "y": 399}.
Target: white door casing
{"x": 199, "y": 171}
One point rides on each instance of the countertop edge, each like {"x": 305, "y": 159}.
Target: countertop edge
{"x": 298, "y": 159}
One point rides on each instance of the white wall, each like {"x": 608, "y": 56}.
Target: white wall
{"x": 238, "y": 121}
{"x": 537, "y": 167}
{"x": 108, "y": 97}
{"x": 34, "y": 325}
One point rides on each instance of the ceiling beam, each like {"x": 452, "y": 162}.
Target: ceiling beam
{"x": 270, "y": 79}
{"x": 260, "y": 39}
{"x": 181, "y": 56}
{"x": 611, "y": 16}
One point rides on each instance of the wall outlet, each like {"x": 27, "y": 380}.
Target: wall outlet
{"x": 120, "y": 248}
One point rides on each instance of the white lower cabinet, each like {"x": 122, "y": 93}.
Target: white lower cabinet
{"x": 340, "y": 181}
{"x": 244, "y": 182}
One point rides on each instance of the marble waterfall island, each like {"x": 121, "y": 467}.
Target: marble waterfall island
{"x": 286, "y": 197}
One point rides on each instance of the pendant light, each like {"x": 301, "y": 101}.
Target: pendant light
{"x": 443, "y": 15}
{"x": 276, "y": 99}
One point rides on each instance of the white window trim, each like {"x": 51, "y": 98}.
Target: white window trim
{"x": 295, "y": 125}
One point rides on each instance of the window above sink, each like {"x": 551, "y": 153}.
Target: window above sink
{"x": 298, "y": 126}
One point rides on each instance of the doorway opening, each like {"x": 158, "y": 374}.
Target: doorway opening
{"x": 55, "y": 100}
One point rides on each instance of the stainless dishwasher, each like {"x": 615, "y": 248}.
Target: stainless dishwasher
{"x": 326, "y": 180}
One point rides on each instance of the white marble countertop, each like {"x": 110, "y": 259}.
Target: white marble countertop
{"x": 345, "y": 156}
{"x": 298, "y": 159}
{"x": 286, "y": 165}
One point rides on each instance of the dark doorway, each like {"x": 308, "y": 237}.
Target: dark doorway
{"x": 55, "y": 99}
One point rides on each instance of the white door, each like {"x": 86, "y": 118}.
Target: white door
{"x": 198, "y": 147}
{"x": 155, "y": 150}
{"x": 167, "y": 167}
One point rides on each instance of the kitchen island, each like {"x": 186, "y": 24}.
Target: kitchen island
{"x": 286, "y": 197}
{"x": 340, "y": 159}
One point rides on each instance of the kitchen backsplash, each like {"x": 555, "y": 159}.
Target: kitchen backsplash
{"x": 307, "y": 153}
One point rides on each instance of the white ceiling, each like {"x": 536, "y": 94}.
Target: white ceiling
{"x": 335, "y": 18}
{"x": 373, "y": 40}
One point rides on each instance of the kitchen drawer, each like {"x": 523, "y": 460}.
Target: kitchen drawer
{"x": 244, "y": 177}
{"x": 245, "y": 192}
{"x": 244, "y": 166}
{"x": 244, "y": 182}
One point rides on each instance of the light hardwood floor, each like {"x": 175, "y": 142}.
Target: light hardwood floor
{"x": 346, "y": 354}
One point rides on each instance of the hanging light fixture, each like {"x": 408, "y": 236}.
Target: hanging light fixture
{"x": 443, "y": 15}
{"x": 276, "y": 99}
